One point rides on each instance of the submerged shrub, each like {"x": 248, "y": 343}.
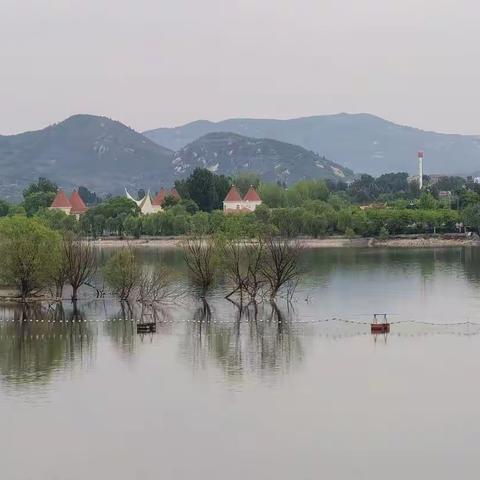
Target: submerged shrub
{"x": 122, "y": 273}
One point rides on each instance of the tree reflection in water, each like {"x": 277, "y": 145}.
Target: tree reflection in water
{"x": 259, "y": 341}
{"x": 122, "y": 326}
{"x": 37, "y": 340}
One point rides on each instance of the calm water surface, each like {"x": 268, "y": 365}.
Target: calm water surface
{"x": 302, "y": 393}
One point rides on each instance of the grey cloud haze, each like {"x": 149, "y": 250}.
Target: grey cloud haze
{"x": 165, "y": 62}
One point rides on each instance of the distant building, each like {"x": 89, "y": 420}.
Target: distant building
{"x": 148, "y": 206}
{"x": 235, "y": 203}
{"x": 430, "y": 179}
{"x": 162, "y": 195}
{"x": 476, "y": 179}
{"x": 71, "y": 206}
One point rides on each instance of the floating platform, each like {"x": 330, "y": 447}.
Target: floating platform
{"x": 380, "y": 327}
{"x": 148, "y": 327}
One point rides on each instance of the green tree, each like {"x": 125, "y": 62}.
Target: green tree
{"x": 90, "y": 198}
{"x": 262, "y": 214}
{"x": 189, "y": 205}
{"x": 37, "y": 200}
{"x": 288, "y": 221}
{"x": 205, "y": 188}
{"x": 305, "y": 190}
{"x": 364, "y": 189}
{"x": 29, "y": 254}
{"x": 42, "y": 185}
{"x": 115, "y": 207}
{"x": 58, "y": 220}
{"x": 427, "y": 201}
{"x": 133, "y": 226}
{"x": 170, "y": 201}
{"x": 273, "y": 195}
{"x": 181, "y": 224}
{"x": 109, "y": 215}
{"x": 314, "y": 225}
{"x": 344, "y": 220}
{"x": 471, "y": 217}
{"x": 39, "y": 195}
{"x": 200, "y": 223}
{"x": 217, "y": 221}
{"x": 383, "y": 234}
{"x": 4, "y": 208}
{"x": 17, "y": 210}
{"x": 467, "y": 198}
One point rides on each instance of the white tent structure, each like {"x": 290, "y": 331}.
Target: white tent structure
{"x": 144, "y": 203}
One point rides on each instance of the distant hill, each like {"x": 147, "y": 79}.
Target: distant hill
{"x": 99, "y": 153}
{"x": 362, "y": 142}
{"x": 229, "y": 153}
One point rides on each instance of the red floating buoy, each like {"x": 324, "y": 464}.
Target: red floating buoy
{"x": 383, "y": 327}
{"x": 380, "y": 327}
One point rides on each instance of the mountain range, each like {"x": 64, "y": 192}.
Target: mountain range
{"x": 229, "y": 153}
{"x": 99, "y": 153}
{"x": 361, "y": 142}
{"x": 105, "y": 155}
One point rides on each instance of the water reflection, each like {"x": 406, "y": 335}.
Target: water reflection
{"x": 436, "y": 286}
{"x": 259, "y": 340}
{"x": 37, "y": 341}
{"x": 307, "y": 372}
{"x": 121, "y": 325}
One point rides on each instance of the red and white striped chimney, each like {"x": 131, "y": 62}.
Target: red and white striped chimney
{"x": 420, "y": 169}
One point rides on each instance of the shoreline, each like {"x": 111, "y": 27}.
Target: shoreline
{"x": 400, "y": 241}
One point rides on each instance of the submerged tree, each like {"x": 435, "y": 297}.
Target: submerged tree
{"x": 280, "y": 266}
{"x": 255, "y": 253}
{"x": 122, "y": 273}
{"x": 200, "y": 255}
{"x": 242, "y": 261}
{"x": 157, "y": 287}
{"x": 234, "y": 266}
{"x": 29, "y": 254}
{"x": 59, "y": 275}
{"x": 81, "y": 262}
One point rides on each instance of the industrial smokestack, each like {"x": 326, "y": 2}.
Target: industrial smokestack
{"x": 420, "y": 170}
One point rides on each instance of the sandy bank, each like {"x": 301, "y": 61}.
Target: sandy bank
{"x": 403, "y": 241}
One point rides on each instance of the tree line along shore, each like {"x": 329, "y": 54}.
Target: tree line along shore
{"x": 43, "y": 249}
{"x": 382, "y": 207}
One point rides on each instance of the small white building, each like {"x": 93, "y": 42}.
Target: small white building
{"x": 234, "y": 203}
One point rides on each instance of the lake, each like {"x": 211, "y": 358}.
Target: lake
{"x": 299, "y": 392}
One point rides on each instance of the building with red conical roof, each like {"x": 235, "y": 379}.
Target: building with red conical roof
{"x": 252, "y": 196}
{"x": 162, "y": 195}
{"x": 78, "y": 205}
{"x": 159, "y": 198}
{"x": 61, "y": 202}
{"x": 71, "y": 206}
{"x": 235, "y": 203}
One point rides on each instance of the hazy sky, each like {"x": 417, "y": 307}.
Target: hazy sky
{"x": 152, "y": 63}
